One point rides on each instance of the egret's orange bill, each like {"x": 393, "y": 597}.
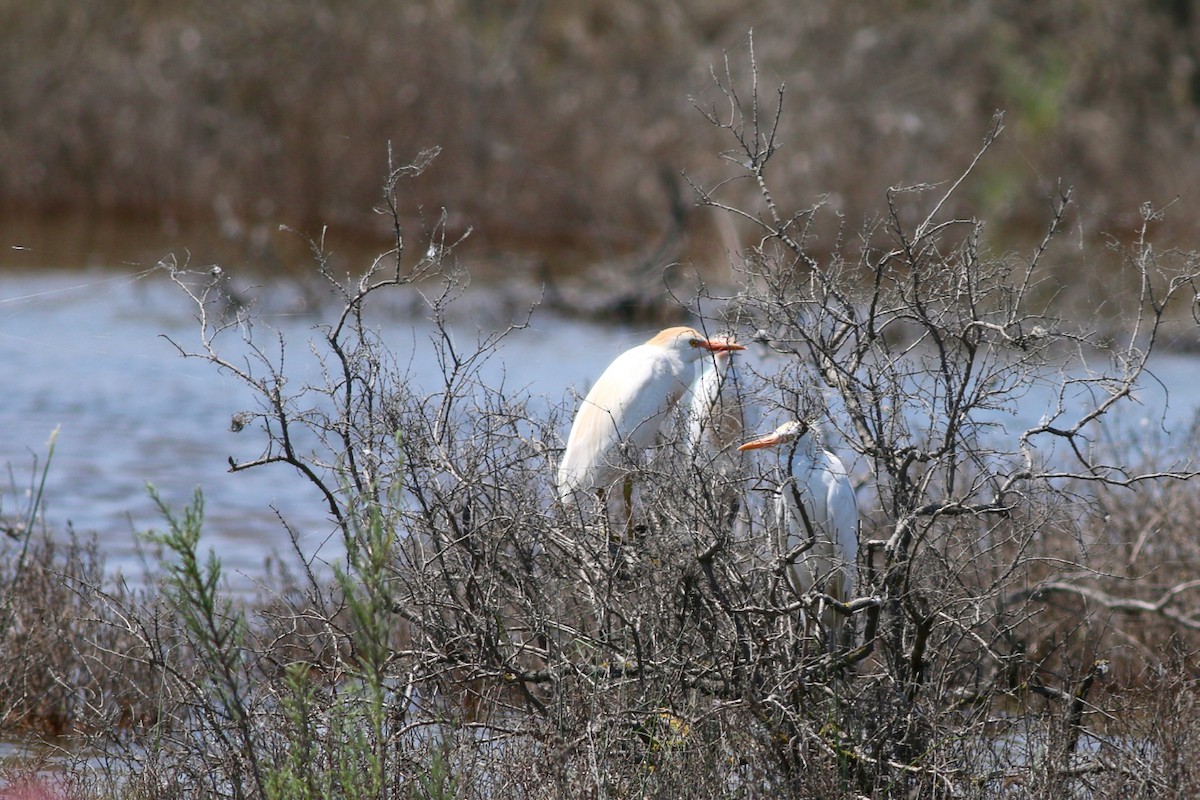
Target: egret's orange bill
{"x": 766, "y": 441}
{"x": 720, "y": 345}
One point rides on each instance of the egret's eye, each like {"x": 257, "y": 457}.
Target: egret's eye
{"x": 694, "y": 342}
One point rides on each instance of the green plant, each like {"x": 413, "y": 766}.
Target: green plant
{"x": 335, "y": 740}
{"x": 216, "y": 632}
{"x": 25, "y": 522}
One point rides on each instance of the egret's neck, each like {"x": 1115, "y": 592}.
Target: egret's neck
{"x": 802, "y": 451}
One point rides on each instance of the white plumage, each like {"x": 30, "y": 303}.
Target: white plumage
{"x": 815, "y": 504}
{"x": 625, "y": 409}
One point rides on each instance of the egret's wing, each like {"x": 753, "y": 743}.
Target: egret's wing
{"x": 644, "y": 385}
{"x": 625, "y": 405}
{"x": 591, "y": 444}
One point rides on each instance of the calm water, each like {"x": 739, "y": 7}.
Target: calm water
{"x": 83, "y": 352}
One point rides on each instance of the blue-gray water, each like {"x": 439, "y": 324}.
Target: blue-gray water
{"x": 84, "y": 353}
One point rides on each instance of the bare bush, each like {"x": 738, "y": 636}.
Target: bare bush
{"x": 63, "y": 674}
{"x": 917, "y": 347}
{"x": 480, "y": 639}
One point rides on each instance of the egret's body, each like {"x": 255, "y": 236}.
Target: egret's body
{"x": 625, "y": 409}
{"x": 817, "y": 515}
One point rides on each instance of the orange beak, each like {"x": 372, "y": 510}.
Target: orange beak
{"x": 720, "y": 345}
{"x": 770, "y": 440}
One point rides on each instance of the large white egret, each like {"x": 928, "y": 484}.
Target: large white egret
{"x": 625, "y": 409}
{"x": 817, "y": 515}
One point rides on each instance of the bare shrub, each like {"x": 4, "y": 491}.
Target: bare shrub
{"x": 917, "y": 347}
{"x": 480, "y": 639}
{"x": 61, "y": 673}
{"x": 63, "y": 670}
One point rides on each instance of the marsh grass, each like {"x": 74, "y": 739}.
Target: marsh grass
{"x": 283, "y": 119}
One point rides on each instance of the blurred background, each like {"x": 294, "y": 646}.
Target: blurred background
{"x": 134, "y": 128}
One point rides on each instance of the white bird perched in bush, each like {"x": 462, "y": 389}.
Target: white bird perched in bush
{"x": 817, "y": 515}
{"x": 624, "y": 411}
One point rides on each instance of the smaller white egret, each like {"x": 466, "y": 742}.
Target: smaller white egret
{"x": 623, "y": 412}
{"x": 816, "y": 510}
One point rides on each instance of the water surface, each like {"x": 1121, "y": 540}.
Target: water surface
{"x": 84, "y": 353}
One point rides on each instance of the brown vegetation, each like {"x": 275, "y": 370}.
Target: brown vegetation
{"x": 564, "y": 127}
